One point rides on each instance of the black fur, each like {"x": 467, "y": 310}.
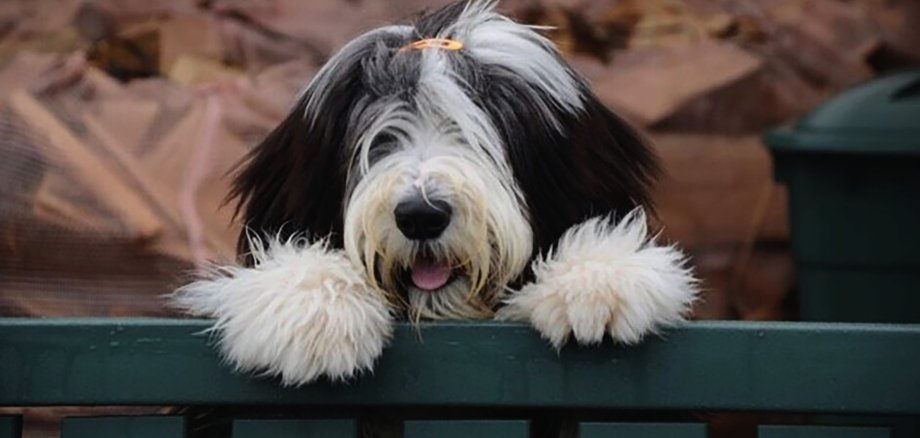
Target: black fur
{"x": 293, "y": 182}
{"x": 592, "y": 164}
{"x": 433, "y": 23}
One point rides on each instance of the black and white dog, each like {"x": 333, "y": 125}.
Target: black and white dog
{"x": 456, "y": 168}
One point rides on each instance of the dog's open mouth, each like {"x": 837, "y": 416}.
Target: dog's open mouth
{"x": 428, "y": 274}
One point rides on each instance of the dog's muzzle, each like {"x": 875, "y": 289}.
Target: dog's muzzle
{"x": 420, "y": 220}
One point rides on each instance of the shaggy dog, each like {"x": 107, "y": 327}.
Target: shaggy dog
{"x": 456, "y": 168}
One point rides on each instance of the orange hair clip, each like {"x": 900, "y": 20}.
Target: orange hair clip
{"x": 434, "y": 43}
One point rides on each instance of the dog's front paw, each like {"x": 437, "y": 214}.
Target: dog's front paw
{"x": 602, "y": 278}
{"x": 300, "y": 313}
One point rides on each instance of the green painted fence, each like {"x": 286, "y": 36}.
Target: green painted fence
{"x": 480, "y": 380}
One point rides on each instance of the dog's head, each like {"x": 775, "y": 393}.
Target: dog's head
{"x": 442, "y": 156}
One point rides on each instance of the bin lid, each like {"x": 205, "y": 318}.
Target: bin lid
{"x": 881, "y": 116}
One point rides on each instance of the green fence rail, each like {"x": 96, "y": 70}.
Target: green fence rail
{"x": 816, "y": 368}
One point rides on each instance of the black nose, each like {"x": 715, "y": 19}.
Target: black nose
{"x": 419, "y": 219}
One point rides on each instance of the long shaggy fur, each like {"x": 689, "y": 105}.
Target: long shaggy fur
{"x": 300, "y": 312}
{"x": 503, "y": 132}
{"x": 603, "y": 277}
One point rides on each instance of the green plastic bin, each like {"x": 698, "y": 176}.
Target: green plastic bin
{"x": 852, "y": 168}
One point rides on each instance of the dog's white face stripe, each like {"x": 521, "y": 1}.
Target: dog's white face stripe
{"x": 441, "y": 97}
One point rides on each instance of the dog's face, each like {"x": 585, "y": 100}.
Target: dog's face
{"x": 441, "y": 157}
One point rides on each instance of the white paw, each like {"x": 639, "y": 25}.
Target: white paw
{"x": 602, "y": 278}
{"x": 300, "y": 313}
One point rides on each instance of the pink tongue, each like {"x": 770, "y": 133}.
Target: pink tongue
{"x": 428, "y": 275}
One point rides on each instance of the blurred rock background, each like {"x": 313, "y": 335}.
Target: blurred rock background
{"x": 120, "y": 118}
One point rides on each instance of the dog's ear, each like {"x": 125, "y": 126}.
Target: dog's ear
{"x": 294, "y": 181}
{"x": 615, "y": 167}
{"x": 571, "y": 161}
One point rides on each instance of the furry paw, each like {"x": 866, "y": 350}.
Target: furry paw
{"x": 602, "y": 278}
{"x": 301, "y": 312}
